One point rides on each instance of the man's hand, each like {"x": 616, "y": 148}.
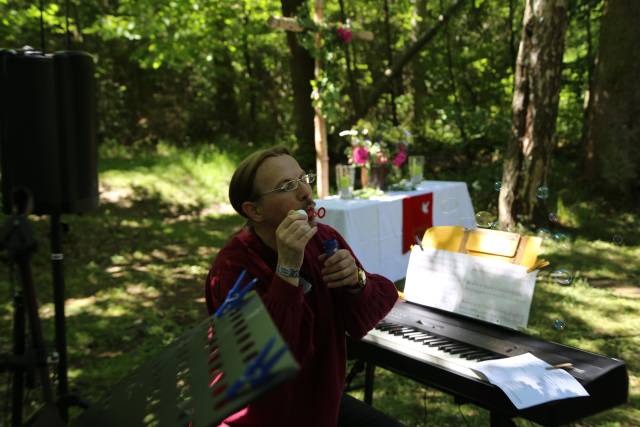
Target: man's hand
{"x": 292, "y": 236}
{"x": 339, "y": 270}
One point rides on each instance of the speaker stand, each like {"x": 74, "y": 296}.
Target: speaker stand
{"x": 57, "y": 266}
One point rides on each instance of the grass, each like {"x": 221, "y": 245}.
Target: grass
{"x": 134, "y": 273}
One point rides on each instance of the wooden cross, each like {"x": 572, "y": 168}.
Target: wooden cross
{"x": 319, "y": 122}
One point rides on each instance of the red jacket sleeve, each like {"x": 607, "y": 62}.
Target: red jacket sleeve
{"x": 284, "y": 302}
{"x": 363, "y": 310}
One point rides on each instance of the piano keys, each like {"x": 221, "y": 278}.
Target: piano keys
{"x": 439, "y": 349}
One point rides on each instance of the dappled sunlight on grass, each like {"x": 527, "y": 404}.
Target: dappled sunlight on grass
{"x": 597, "y": 310}
{"x": 595, "y": 259}
{"x": 189, "y": 179}
{"x": 134, "y": 283}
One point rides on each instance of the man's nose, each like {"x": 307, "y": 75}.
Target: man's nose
{"x": 304, "y": 190}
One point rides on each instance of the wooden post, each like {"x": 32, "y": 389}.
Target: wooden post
{"x": 319, "y": 122}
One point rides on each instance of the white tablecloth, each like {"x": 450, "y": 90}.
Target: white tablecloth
{"x": 373, "y": 227}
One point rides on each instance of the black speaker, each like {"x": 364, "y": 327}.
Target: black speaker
{"x": 48, "y": 137}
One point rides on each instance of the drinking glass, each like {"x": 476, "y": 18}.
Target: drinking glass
{"x": 345, "y": 177}
{"x": 416, "y": 169}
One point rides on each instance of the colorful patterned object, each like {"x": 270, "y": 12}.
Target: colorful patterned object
{"x": 209, "y": 373}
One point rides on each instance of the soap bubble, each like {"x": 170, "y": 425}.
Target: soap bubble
{"x": 617, "y": 239}
{"x": 559, "y": 325}
{"x": 544, "y": 233}
{"x": 553, "y": 217}
{"x": 543, "y": 192}
{"x": 497, "y": 185}
{"x": 484, "y": 219}
{"x": 448, "y": 206}
{"x": 562, "y": 277}
{"x": 561, "y": 239}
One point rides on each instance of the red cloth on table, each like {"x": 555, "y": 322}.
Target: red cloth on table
{"x": 417, "y": 217}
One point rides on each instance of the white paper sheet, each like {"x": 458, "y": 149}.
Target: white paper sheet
{"x": 527, "y": 382}
{"x": 490, "y": 290}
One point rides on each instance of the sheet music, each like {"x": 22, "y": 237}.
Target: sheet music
{"x": 490, "y": 290}
{"x": 527, "y": 382}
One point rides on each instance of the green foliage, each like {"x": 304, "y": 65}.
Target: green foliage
{"x": 187, "y": 70}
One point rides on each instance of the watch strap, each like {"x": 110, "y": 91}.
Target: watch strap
{"x": 287, "y": 272}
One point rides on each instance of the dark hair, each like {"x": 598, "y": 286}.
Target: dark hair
{"x": 241, "y": 186}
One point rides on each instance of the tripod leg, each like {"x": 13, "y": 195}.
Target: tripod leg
{"x": 35, "y": 326}
{"x": 18, "y": 350}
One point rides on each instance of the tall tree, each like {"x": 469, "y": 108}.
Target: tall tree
{"x": 534, "y": 110}
{"x": 354, "y": 90}
{"x": 389, "y": 52}
{"x": 419, "y": 66}
{"x": 302, "y": 68}
{"x": 452, "y": 80}
{"x": 613, "y": 153}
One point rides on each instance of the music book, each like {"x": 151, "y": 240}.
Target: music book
{"x": 481, "y": 274}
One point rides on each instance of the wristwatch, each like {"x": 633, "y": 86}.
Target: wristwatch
{"x": 362, "y": 278}
{"x": 362, "y": 281}
{"x": 287, "y": 272}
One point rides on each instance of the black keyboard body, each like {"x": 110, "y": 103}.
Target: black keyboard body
{"x": 605, "y": 378}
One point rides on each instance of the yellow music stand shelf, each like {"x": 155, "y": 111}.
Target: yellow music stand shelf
{"x": 494, "y": 244}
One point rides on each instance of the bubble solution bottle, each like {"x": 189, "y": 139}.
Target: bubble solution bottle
{"x": 330, "y": 247}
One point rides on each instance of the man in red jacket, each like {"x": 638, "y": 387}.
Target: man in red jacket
{"x": 314, "y": 299}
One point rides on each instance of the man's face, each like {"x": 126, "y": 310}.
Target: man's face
{"x": 272, "y": 174}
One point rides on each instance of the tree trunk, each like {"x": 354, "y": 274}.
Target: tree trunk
{"x": 354, "y": 90}
{"x": 251, "y": 130}
{"x": 613, "y": 129}
{"x": 589, "y": 153}
{"x": 419, "y": 69}
{"x": 512, "y": 36}
{"x": 535, "y": 109}
{"x": 226, "y": 105}
{"x": 302, "y": 72}
{"x": 389, "y": 52}
{"x": 319, "y": 122}
{"x": 452, "y": 81}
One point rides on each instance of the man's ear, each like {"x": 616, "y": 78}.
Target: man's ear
{"x": 252, "y": 211}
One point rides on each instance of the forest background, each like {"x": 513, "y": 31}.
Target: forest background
{"x": 202, "y": 83}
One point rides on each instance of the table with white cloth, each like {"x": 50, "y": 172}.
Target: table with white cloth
{"x": 374, "y": 227}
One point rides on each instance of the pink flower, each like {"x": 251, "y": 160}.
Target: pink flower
{"x": 400, "y": 158}
{"x": 360, "y": 155}
{"x": 345, "y": 34}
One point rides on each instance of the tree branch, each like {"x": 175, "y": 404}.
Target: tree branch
{"x": 382, "y": 86}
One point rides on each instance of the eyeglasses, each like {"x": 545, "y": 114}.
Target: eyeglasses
{"x": 293, "y": 184}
